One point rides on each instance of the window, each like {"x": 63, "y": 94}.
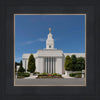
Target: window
{"x": 49, "y": 46}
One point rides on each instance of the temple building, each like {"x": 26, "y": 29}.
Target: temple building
{"x": 49, "y": 60}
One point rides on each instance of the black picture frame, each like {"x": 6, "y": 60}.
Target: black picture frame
{"x": 9, "y": 91}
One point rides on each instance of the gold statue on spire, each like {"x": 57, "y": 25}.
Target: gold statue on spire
{"x": 49, "y": 30}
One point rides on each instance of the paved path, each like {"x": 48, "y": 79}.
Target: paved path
{"x": 50, "y": 82}
{"x": 31, "y": 77}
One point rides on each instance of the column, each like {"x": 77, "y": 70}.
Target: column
{"x": 48, "y": 64}
{"x": 44, "y": 67}
{"x": 51, "y": 64}
{"x": 26, "y": 64}
{"x": 55, "y": 65}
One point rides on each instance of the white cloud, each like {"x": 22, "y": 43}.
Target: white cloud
{"x": 37, "y": 40}
{"x": 29, "y": 42}
{"x": 41, "y": 40}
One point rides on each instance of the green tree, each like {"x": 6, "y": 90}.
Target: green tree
{"x": 21, "y": 69}
{"x": 80, "y": 63}
{"x": 68, "y": 63}
{"x": 74, "y": 61}
{"x": 31, "y": 64}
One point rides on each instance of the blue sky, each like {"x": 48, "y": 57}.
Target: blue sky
{"x": 31, "y": 33}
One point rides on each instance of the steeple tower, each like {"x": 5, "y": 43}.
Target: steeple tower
{"x": 50, "y": 41}
{"x": 49, "y": 30}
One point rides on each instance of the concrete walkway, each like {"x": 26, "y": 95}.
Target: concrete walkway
{"x": 31, "y": 76}
{"x": 50, "y": 82}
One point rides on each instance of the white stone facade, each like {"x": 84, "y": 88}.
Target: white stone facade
{"x": 49, "y": 60}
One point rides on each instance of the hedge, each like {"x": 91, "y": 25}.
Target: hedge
{"x": 36, "y": 73}
{"x": 23, "y": 74}
{"x": 77, "y": 75}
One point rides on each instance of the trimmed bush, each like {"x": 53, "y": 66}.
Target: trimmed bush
{"x": 77, "y": 75}
{"x": 36, "y": 73}
{"x": 26, "y": 74}
{"x": 21, "y": 69}
{"x": 43, "y": 74}
{"x": 19, "y": 74}
{"x": 55, "y": 74}
{"x": 31, "y": 64}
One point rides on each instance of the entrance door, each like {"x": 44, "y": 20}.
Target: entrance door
{"x": 49, "y": 64}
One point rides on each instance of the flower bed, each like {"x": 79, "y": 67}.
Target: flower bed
{"x": 45, "y": 75}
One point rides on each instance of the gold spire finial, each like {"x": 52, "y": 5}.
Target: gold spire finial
{"x": 49, "y": 30}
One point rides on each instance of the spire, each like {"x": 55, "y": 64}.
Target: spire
{"x": 49, "y": 30}
{"x": 50, "y": 41}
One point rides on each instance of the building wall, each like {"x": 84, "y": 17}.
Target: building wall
{"x": 77, "y": 54}
{"x": 63, "y": 62}
{"x": 60, "y": 60}
{"x": 59, "y": 65}
{"x": 36, "y": 63}
{"x": 25, "y": 64}
{"x": 40, "y": 65}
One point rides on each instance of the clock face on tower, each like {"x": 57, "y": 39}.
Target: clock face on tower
{"x": 49, "y": 46}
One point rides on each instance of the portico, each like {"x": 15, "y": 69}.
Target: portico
{"x": 49, "y": 64}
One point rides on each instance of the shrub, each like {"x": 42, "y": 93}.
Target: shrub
{"x": 72, "y": 74}
{"x": 21, "y": 69}
{"x": 44, "y": 74}
{"x": 77, "y": 75}
{"x": 19, "y": 74}
{"x": 26, "y": 74}
{"x": 55, "y": 74}
{"x": 31, "y": 64}
{"x": 20, "y": 77}
{"x": 58, "y": 75}
{"x": 36, "y": 73}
